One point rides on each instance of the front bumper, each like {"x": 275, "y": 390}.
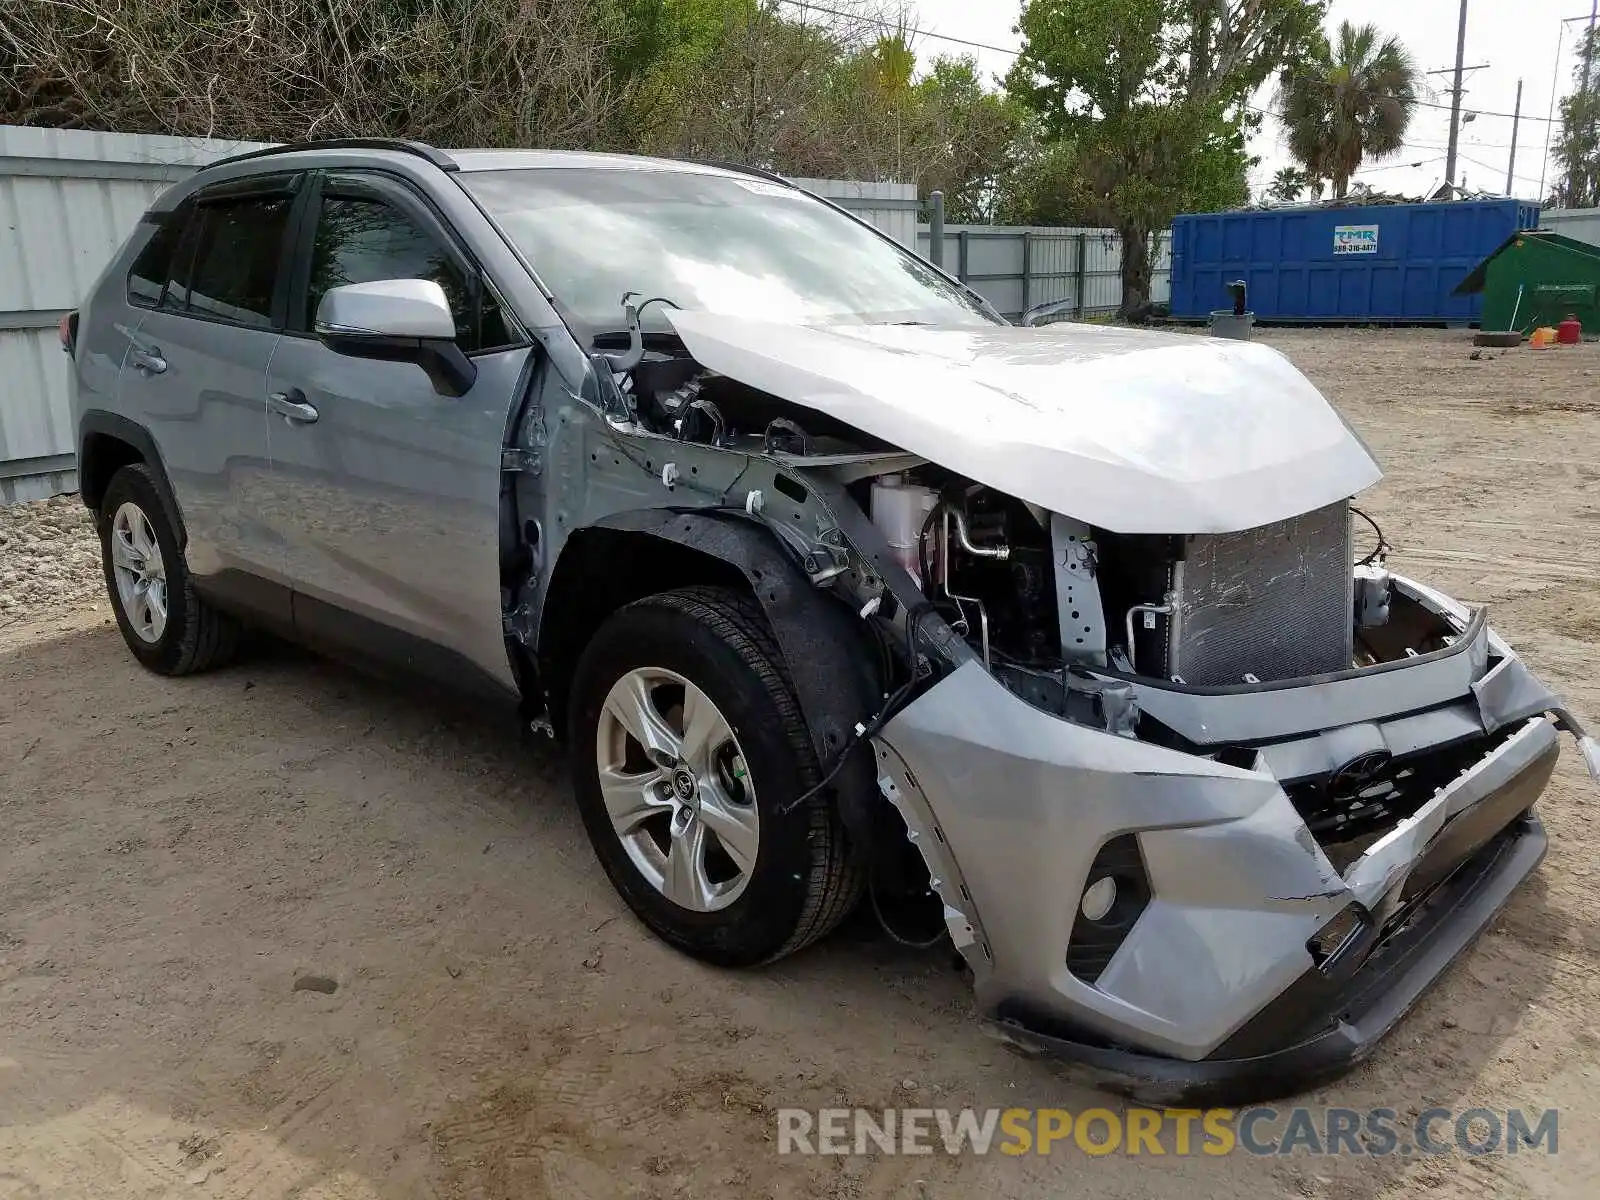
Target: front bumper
{"x": 1319, "y": 1027}
{"x": 1213, "y": 990}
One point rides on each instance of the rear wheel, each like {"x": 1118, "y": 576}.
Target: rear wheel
{"x": 690, "y": 754}
{"x": 169, "y": 628}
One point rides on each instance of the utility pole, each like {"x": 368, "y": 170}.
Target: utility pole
{"x": 1511, "y": 166}
{"x": 1455, "y": 104}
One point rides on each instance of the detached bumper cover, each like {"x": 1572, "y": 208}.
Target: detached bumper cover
{"x": 1354, "y": 1014}
{"x": 1213, "y": 989}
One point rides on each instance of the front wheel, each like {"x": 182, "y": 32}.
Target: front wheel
{"x": 690, "y": 753}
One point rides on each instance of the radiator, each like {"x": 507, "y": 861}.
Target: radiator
{"x": 1273, "y": 602}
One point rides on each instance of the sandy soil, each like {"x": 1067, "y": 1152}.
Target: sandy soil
{"x": 176, "y": 855}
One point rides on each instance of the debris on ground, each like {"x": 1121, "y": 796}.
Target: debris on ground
{"x": 49, "y": 558}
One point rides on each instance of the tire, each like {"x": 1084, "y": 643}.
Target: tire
{"x": 192, "y": 635}
{"x": 805, "y": 877}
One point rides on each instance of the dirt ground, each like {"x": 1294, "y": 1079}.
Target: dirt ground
{"x": 175, "y": 855}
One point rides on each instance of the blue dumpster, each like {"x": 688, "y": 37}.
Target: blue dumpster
{"x": 1398, "y": 263}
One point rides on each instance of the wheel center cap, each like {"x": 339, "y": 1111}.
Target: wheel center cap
{"x": 684, "y": 785}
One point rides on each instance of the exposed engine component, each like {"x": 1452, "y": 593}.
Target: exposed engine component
{"x": 899, "y": 509}
{"x": 986, "y": 558}
{"x": 1041, "y": 596}
{"x": 1374, "y": 585}
{"x": 673, "y": 395}
{"x": 1217, "y": 610}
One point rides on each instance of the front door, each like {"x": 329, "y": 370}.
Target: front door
{"x": 388, "y": 493}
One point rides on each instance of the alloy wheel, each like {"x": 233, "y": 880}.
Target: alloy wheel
{"x": 140, "y": 572}
{"x": 677, "y": 789}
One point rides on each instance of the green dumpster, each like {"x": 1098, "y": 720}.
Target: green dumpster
{"x": 1538, "y": 278}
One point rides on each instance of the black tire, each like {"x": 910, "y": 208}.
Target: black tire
{"x": 197, "y": 637}
{"x": 806, "y": 876}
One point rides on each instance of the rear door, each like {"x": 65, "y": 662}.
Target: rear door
{"x": 211, "y": 289}
{"x": 390, "y": 513}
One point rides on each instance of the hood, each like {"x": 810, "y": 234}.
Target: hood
{"x": 1131, "y": 431}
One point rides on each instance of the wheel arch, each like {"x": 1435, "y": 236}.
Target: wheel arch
{"x": 831, "y": 657}
{"x": 108, "y": 442}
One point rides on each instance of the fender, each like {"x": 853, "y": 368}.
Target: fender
{"x": 97, "y": 421}
{"x": 830, "y": 657}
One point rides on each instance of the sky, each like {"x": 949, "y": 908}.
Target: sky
{"x": 1517, "y": 38}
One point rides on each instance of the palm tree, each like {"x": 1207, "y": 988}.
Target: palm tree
{"x": 1348, "y": 102}
{"x": 1290, "y": 183}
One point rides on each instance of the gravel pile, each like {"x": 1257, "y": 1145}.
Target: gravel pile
{"x": 49, "y": 559}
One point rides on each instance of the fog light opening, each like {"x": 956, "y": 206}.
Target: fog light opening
{"x": 1099, "y": 898}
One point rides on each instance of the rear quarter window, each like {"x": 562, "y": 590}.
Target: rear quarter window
{"x": 153, "y": 267}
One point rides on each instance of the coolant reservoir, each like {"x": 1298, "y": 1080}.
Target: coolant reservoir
{"x": 899, "y": 509}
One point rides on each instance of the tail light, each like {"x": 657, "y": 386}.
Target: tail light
{"x": 69, "y": 332}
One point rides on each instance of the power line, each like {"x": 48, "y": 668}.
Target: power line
{"x": 1400, "y": 166}
{"x": 1485, "y": 113}
{"x": 893, "y": 27}
{"x": 1478, "y": 162}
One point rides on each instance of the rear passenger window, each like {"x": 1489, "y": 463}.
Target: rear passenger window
{"x": 237, "y": 246}
{"x": 362, "y": 241}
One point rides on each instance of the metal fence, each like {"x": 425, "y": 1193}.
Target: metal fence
{"x": 1019, "y": 267}
{"x": 1580, "y": 223}
{"x": 68, "y": 199}
{"x": 891, "y": 207}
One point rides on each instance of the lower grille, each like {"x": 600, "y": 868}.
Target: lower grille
{"x": 1273, "y": 602}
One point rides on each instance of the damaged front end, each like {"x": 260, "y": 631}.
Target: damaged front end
{"x": 1205, "y": 802}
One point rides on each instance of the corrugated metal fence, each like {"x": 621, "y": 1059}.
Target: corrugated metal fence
{"x": 68, "y": 199}
{"x": 1580, "y": 223}
{"x": 891, "y": 207}
{"x": 1019, "y": 267}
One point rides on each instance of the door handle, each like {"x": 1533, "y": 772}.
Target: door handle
{"x": 149, "y": 361}
{"x": 293, "y": 407}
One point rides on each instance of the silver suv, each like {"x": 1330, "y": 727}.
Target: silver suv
{"x": 1052, "y": 644}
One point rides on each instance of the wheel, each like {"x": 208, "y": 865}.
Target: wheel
{"x": 1491, "y": 337}
{"x": 689, "y": 754}
{"x": 168, "y": 627}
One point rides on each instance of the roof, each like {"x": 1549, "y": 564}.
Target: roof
{"x": 525, "y": 160}
{"x": 1479, "y": 276}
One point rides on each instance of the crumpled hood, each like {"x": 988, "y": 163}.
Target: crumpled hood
{"x": 1132, "y": 431}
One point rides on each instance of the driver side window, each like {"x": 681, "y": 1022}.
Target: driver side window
{"x": 361, "y": 240}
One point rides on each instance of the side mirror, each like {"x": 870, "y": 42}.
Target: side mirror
{"x": 397, "y": 320}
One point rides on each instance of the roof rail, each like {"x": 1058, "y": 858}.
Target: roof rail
{"x": 422, "y": 150}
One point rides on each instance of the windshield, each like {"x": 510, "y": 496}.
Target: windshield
{"x": 737, "y": 245}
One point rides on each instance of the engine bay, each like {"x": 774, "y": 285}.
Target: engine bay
{"x": 1039, "y": 596}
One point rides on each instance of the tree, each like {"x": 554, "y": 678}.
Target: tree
{"x": 1348, "y": 102}
{"x": 1290, "y": 183}
{"x": 454, "y": 72}
{"x": 1153, "y": 96}
{"x": 1577, "y": 147}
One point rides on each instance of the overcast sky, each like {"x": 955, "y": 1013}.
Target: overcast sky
{"x": 1517, "y": 38}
